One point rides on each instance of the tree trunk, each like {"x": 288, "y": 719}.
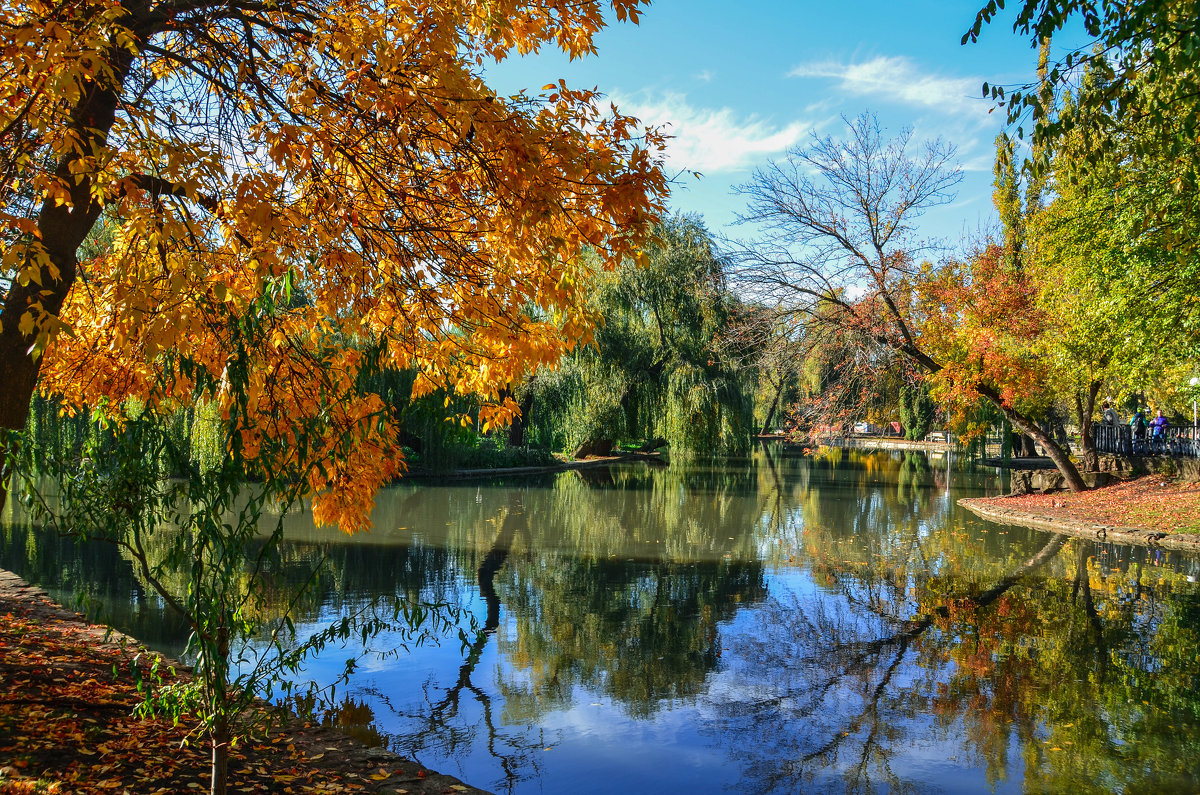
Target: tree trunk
{"x": 1060, "y": 457}
{"x": 62, "y": 234}
{"x": 220, "y": 758}
{"x": 766, "y": 426}
{"x": 219, "y": 734}
{"x": 62, "y": 228}
{"x": 516, "y": 431}
{"x": 1006, "y": 440}
{"x": 1085, "y": 409}
{"x": 1024, "y": 445}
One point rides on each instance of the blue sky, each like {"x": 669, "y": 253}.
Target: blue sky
{"x": 740, "y": 83}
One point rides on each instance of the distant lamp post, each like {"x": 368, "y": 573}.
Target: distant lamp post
{"x": 1195, "y": 380}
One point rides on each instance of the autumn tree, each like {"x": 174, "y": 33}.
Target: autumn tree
{"x": 773, "y": 347}
{"x": 837, "y": 220}
{"x": 350, "y": 151}
{"x": 293, "y": 198}
{"x": 1020, "y": 195}
{"x": 203, "y": 542}
{"x": 844, "y": 377}
{"x": 979, "y": 317}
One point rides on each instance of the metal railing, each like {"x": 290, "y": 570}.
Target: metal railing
{"x": 1178, "y": 442}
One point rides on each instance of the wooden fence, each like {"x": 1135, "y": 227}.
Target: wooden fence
{"x": 1179, "y": 442}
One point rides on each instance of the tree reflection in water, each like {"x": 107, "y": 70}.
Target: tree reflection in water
{"x": 915, "y": 648}
{"x": 437, "y": 720}
{"x": 637, "y": 619}
{"x": 843, "y": 680}
{"x": 590, "y": 601}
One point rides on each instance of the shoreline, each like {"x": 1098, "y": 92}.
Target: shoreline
{"x": 76, "y": 677}
{"x": 1081, "y": 528}
{"x": 889, "y": 443}
{"x": 547, "y": 469}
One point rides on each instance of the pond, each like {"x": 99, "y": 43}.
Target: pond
{"x": 773, "y": 624}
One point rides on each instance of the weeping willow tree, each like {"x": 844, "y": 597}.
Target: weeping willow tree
{"x": 655, "y": 371}
{"x": 54, "y": 432}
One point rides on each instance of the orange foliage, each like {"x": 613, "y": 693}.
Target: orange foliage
{"x": 979, "y": 320}
{"x": 351, "y": 148}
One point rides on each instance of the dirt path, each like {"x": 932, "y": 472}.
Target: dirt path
{"x": 67, "y": 694}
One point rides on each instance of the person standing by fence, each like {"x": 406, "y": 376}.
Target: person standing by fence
{"x": 1158, "y": 426}
{"x": 1137, "y": 424}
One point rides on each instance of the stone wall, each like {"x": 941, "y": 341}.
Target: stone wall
{"x": 1112, "y": 467}
{"x": 1184, "y": 468}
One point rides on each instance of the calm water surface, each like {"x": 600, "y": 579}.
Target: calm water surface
{"x": 777, "y": 624}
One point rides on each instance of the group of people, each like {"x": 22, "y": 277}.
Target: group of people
{"x": 1138, "y": 424}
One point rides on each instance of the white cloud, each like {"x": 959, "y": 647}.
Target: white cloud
{"x": 705, "y": 76}
{"x": 897, "y": 78}
{"x": 712, "y": 140}
{"x": 983, "y": 160}
{"x": 821, "y": 107}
